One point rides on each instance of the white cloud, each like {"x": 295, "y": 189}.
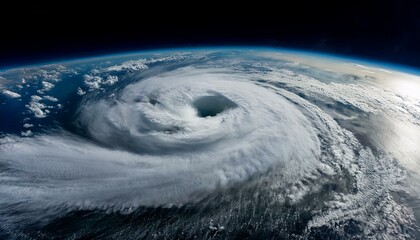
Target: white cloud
{"x": 26, "y": 133}
{"x": 36, "y": 98}
{"x": 40, "y": 78}
{"x": 80, "y": 92}
{"x": 141, "y": 64}
{"x": 37, "y": 108}
{"x": 11, "y": 94}
{"x": 27, "y": 125}
{"x": 133, "y": 65}
{"x": 46, "y": 86}
{"x": 50, "y": 98}
{"x": 92, "y": 82}
{"x": 96, "y": 82}
{"x": 95, "y": 71}
{"x": 110, "y": 80}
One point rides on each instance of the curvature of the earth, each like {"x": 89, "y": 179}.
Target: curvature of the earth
{"x": 208, "y": 144}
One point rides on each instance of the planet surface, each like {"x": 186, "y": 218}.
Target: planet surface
{"x": 216, "y": 143}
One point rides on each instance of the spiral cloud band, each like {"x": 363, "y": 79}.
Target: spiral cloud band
{"x": 198, "y": 129}
{"x": 172, "y": 151}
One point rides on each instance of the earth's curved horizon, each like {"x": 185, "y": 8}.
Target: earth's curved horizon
{"x": 210, "y": 143}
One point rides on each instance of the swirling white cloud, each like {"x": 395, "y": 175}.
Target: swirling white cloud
{"x": 175, "y": 137}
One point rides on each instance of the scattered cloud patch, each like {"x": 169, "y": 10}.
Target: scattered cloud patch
{"x": 51, "y": 73}
{"x": 133, "y": 65}
{"x": 27, "y": 125}
{"x": 26, "y": 133}
{"x": 50, "y": 98}
{"x": 92, "y": 82}
{"x": 95, "y": 71}
{"x": 96, "y": 82}
{"x": 11, "y": 94}
{"x": 141, "y": 64}
{"x": 42, "y": 79}
{"x": 35, "y": 98}
{"x": 46, "y": 86}
{"x": 80, "y": 92}
{"x": 101, "y": 76}
{"x": 111, "y": 80}
{"x": 38, "y": 109}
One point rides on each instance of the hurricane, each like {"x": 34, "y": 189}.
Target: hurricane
{"x": 209, "y": 144}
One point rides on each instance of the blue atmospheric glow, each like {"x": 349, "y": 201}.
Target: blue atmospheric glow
{"x": 338, "y": 57}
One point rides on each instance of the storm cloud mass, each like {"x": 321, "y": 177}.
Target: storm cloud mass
{"x": 210, "y": 144}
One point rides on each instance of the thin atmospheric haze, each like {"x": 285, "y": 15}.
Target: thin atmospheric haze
{"x": 287, "y": 134}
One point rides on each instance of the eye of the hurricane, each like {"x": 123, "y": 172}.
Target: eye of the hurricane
{"x": 212, "y": 105}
